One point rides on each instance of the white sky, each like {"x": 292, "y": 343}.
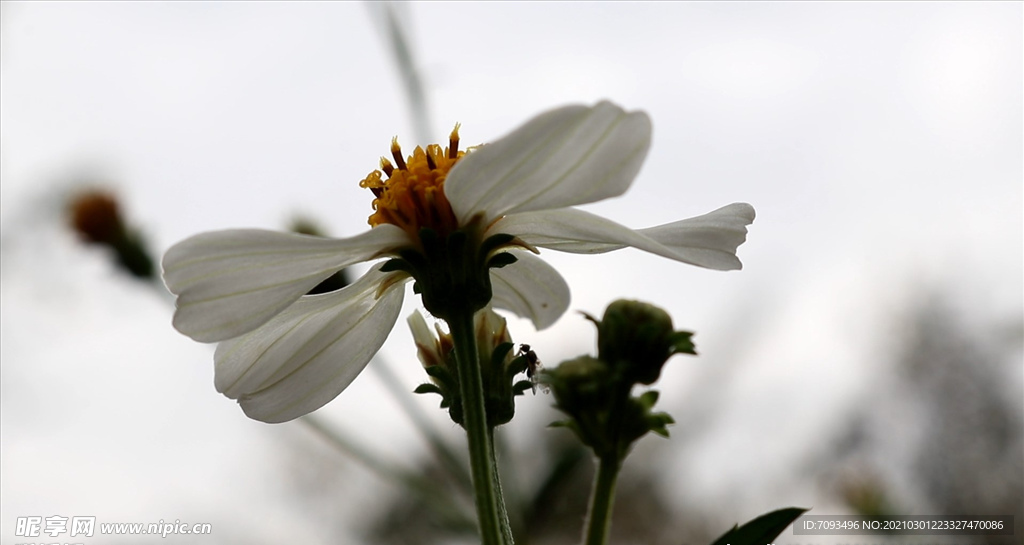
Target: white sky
{"x": 881, "y": 144}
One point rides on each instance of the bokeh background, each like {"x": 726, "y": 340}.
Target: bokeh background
{"x": 868, "y": 359}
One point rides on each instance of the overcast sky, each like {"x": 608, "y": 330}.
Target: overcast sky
{"x": 881, "y": 144}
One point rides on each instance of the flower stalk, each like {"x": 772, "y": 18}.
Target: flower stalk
{"x": 494, "y": 528}
{"x": 602, "y": 500}
{"x": 634, "y": 341}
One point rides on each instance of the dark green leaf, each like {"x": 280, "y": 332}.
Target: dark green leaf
{"x": 763, "y": 530}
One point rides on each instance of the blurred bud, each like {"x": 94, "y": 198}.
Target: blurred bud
{"x": 636, "y": 339}
{"x": 634, "y": 342}
{"x": 580, "y": 384}
{"x": 96, "y": 217}
{"x": 306, "y": 226}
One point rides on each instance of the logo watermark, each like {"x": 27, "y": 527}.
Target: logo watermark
{"x": 86, "y": 526}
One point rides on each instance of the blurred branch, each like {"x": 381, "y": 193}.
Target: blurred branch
{"x": 442, "y": 450}
{"x": 396, "y": 36}
{"x": 433, "y": 497}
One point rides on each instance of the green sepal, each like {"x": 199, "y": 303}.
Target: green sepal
{"x": 522, "y": 386}
{"x": 516, "y": 366}
{"x": 428, "y": 236}
{"x": 395, "y": 264}
{"x": 656, "y": 422}
{"x": 495, "y": 241}
{"x": 457, "y": 243}
{"x": 501, "y": 259}
{"x": 498, "y": 356}
{"x": 648, "y": 399}
{"x": 682, "y": 343}
{"x": 762, "y": 530}
{"x": 413, "y": 259}
{"x": 428, "y": 388}
{"x": 441, "y": 375}
{"x": 450, "y": 270}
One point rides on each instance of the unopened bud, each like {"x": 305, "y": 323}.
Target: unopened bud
{"x": 96, "y": 218}
{"x": 498, "y": 365}
{"x": 637, "y": 339}
{"x": 580, "y": 384}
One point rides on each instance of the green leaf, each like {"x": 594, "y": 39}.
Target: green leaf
{"x": 762, "y": 530}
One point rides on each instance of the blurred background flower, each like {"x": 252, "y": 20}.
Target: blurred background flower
{"x": 867, "y": 359}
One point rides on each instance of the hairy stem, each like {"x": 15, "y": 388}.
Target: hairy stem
{"x": 489, "y": 503}
{"x": 599, "y": 516}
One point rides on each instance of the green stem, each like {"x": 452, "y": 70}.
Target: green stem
{"x": 599, "y": 517}
{"x": 506, "y": 527}
{"x": 489, "y": 505}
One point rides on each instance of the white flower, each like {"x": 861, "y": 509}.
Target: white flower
{"x": 283, "y": 353}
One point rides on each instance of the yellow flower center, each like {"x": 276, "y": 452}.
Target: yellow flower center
{"x": 412, "y": 197}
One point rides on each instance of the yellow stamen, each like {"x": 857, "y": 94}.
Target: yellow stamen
{"x": 412, "y": 197}
{"x": 453, "y": 142}
{"x": 396, "y": 152}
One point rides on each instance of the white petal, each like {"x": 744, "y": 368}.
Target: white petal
{"x": 564, "y": 157}
{"x": 231, "y": 282}
{"x": 708, "y": 241}
{"x": 305, "y": 356}
{"x": 531, "y": 289}
{"x": 424, "y": 339}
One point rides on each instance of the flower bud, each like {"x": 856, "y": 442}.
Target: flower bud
{"x": 579, "y": 385}
{"x": 96, "y": 217}
{"x": 636, "y": 339}
{"x": 498, "y": 365}
{"x": 634, "y": 342}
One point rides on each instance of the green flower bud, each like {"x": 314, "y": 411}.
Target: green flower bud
{"x": 579, "y": 385}
{"x": 636, "y": 339}
{"x": 634, "y": 342}
{"x": 582, "y": 390}
{"x": 498, "y": 365}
